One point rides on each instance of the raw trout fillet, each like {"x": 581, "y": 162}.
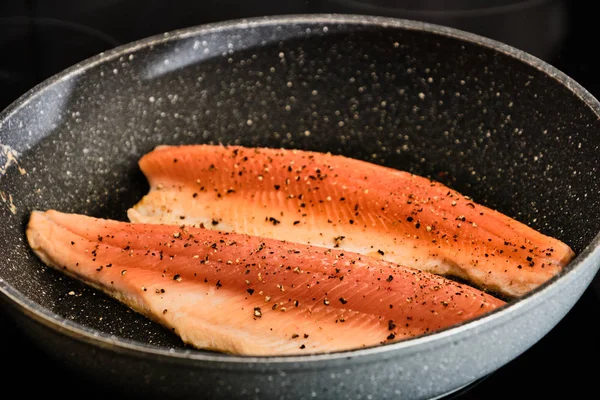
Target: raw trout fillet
{"x": 249, "y": 295}
{"x": 338, "y": 202}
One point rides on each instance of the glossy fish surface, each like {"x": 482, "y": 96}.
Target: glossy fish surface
{"x": 249, "y": 295}
{"x": 338, "y": 202}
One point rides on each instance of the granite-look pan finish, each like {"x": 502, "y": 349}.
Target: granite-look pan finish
{"x": 488, "y": 120}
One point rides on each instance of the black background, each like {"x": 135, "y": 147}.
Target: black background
{"x": 40, "y": 38}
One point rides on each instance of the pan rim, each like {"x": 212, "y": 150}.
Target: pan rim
{"x": 589, "y": 256}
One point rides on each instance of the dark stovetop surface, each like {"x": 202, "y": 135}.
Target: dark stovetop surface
{"x": 565, "y": 360}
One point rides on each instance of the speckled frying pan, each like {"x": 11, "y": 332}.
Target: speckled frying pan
{"x": 490, "y": 121}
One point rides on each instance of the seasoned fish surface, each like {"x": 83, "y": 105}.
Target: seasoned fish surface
{"x": 338, "y": 202}
{"x": 249, "y": 295}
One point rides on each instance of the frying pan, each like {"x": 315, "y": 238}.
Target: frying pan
{"x": 491, "y": 121}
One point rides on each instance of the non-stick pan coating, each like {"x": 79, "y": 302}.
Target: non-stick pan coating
{"x": 476, "y": 117}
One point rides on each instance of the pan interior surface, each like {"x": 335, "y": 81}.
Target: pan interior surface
{"x": 495, "y": 128}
